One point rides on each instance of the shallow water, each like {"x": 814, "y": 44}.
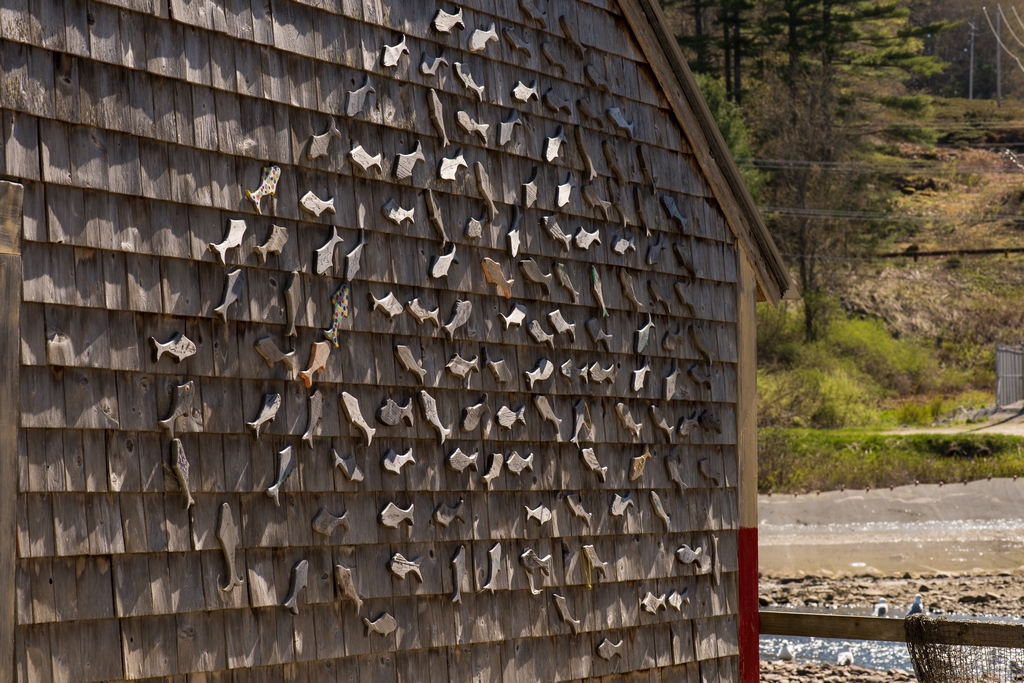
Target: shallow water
{"x": 868, "y": 654}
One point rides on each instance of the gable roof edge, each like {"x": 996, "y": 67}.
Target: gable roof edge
{"x": 723, "y": 176}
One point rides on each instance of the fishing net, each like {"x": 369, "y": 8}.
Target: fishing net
{"x": 963, "y": 651}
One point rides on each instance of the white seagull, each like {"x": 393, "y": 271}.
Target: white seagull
{"x": 881, "y": 608}
{"x": 917, "y": 607}
{"x": 845, "y": 658}
{"x": 785, "y": 654}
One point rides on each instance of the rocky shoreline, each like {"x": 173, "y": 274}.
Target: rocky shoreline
{"x": 801, "y": 672}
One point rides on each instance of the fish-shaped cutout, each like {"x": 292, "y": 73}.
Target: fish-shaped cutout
{"x": 674, "y": 389}
{"x": 582, "y": 417}
{"x": 233, "y": 287}
{"x": 494, "y": 471}
{"x": 507, "y": 127}
{"x": 409, "y": 362}
{"x": 325, "y": 523}
{"x": 396, "y": 214}
{"x": 442, "y": 264}
{"x": 652, "y": 604}
{"x": 179, "y": 466}
{"x": 619, "y": 119}
{"x": 389, "y": 304}
{"x": 391, "y": 54}
{"x": 532, "y": 562}
{"x": 429, "y": 406}
{"x": 654, "y": 251}
{"x": 267, "y": 188}
{"x": 479, "y": 39}
{"x": 444, "y": 22}
{"x": 402, "y": 567}
{"x": 353, "y": 258}
{"x": 517, "y": 43}
{"x": 392, "y": 515}
{"x": 561, "y": 325}
{"x": 572, "y": 373}
{"x": 710, "y": 471}
{"x": 628, "y": 423}
{"x": 340, "y": 303}
{"x": 494, "y": 276}
{"x": 271, "y": 355}
{"x": 607, "y": 649}
{"x": 640, "y": 377}
{"x": 677, "y": 600}
{"x": 709, "y": 423}
{"x": 699, "y": 340}
{"x": 717, "y": 559}
{"x": 500, "y": 371}
{"x": 446, "y": 514}
{"x": 611, "y": 157}
{"x": 391, "y": 414}
{"x": 588, "y": 111}
{"x": 467, "y": 124}
{"x": 659, "y": 510}
{"x": 319, "y": 144}
{"x": 700, "y": 376}
{"x": 347, "y": 466}
{"x": 462, "y": 71}
{"x": 584, "y": 239}
{"x": 657, "y": 297}
{"x": 458, "y": 573}
{"x": 421, "y": 314}
{"x": 577, "y": 509}
{"x": 292, "y": 301}
{"x": 661, "y": 423}
{"x": 319, "y": 352}
{"x": 555, "y": 103}
{"x": 598, "y": 335}
{"x": 316, "y": 206}
{"x": 325, "y": 254}
{"x": 672, "y": 465}
{"x": 506, "y": 417}
{"x": 669, "y": 204}
{"x": 483, "y": 184}
{"x": 179, "y": 347}
{"x": 534, "y": 14}
{"x": 570, "y": 34}
{"x": 563, "y": 610}
{"x": 181, "y": 407}
{"x": 347, "y": 586}
{"x": 227, "y": 536}
{"x": 595, "y": 79}
{"x": 429, "y": 67}
{"x": 475, "y": 227}
{"x": 357, "y": 98}
{"x": 643, "y": 163}
{"x": 393, "y": 462}
{"x": 472, "y": 414}
{"x": 461, "y": 368}
{"x": 684, "y": 298}
{"x": 596, "y": 201}
{"x": 274, "y": 244}
{"x": 553, "y": 145}
{"x": 540, "y": 373}
{"x": 407, "y": 162}
{"x": 461, "y": 312}
{"x": 564, "y": 191}
{"x": 385, "y": 625}
{"x": 268, "y": 411}
{"x": 672, "y": 339}
{"x": 541, "y": 513}
{"x": 620, "y": 504}
{"x": 285, "y": 466}
{"x": 530, "y": 189}
{"x": 563, "y": 279}
{"x": 555, "y": 231}
{"x": 513, "y": 231}
{"x": 688, "y": 555}
{"x": 515, "y": 317}
{"x": 494, "y": 560}
{"x": 517, "y": 464}
{"x": 539, "y": 334}
{"x": 547, "y": 413}
{"x": 550, "y": 53}
{"x": 590, "y": 460}
{"x": 598, "y": 291}
{"x": 523, "y": 92}
{"x": 643, "y": 335}
{"x": 531, "y": 270}
{"x": 300, "y": 575}
{"x": 236, "y": 229}
{"x": 436, "y": 109}
{"x": 591, "y": 558}
{"x": 459, "y": 461}
{"x": 600, "y": 374}
{"x": 361, "y": 158}
{"x": 355, "y": 415}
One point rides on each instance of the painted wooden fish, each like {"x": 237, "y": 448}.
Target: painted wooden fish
{"x": 421, "y": 314}
{"x": 227, "y": 535}
{"x": 357, "y": 98}
{"x": 354, "y": 413}
{"x": 268, "y": 411}
{"x": 390, "y": 413}
{"x": 402, "y": 567}
{"x": 267, "y": 188}
{"x": 620, "y": 504}
{"x": 391, "y": 54}
{"x": 347, "y": 586}
{"x": 446, "y": 514}
{"x": 267, "y": 348}
{"x": 494, "y": 471}
{"x": 385, "y": 625}
{"x": 181, "y": 406}
{"x": 178, "y": 347}
{"x": 626, "y": 418}
{"x": 410, "y": 362}
{"x": 563, "y": 612}
{"x": 179, "y": 465}
{"x": 341, "y": 302}
{"x": 494, "y": 276}
{"x": 577, "y": 509}
{"x": 542, "y": 372}
{"x": 233, "y": 286}
{"x": 394, "y": 462}
{"x": 325, "y": 523}
{"x": 316, "y": 206}
{"x": 347, "y": 466}
{"x": 392, "y": 515}
{"x": 300, "y": 575}
{"x": 319, "y": 352}
{"x": 274, "y": 244}
{"x": 316, "y": 414}
{"x": 285, "y": 466}
{"x": 461, "y": 312}
{"x": 236, "y": 230}
{"x": 643, "y": 335}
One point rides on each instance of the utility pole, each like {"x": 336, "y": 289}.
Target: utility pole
{"x": 970, "y": 74}
{"x": 999, "y": 56}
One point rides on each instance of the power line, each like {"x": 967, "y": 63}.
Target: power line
{"x": 1000, "y": 40}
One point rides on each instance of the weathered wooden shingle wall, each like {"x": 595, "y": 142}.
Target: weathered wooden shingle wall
{"x": 136, "y": 128}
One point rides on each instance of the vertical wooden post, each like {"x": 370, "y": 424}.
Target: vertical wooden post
{"x": 746, "y": 443}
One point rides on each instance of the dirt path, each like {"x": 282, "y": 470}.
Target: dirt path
{"x": 1006, "y": 422}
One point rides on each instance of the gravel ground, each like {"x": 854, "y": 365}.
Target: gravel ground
{"x": 802, "y": 672}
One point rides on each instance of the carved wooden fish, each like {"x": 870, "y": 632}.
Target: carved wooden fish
{"x": 657, "y": 297}
{"x": 429, "y": 67}
{"x": 572, "y": 373}
{"x": 494, "y": 557}
{"x": 407, "y": 162}
{"x": 179, "y": 347}
{"x": 523, "y": 92}
{"x": 532, "y": 271}
{"x": 717, "y": 559}
{"x": 643, "y": 335}
{"x": 325, "y": 523}
{"x": 388, "y": 304}
{"x": 540, "y": 373}
{"x": 548, "y": 414}
{"x": 318, "y": 355}
{"x": 677, "y": 600}
{"x": 347, "y": 586}
{"x": 475, "y": 227}
{"x": 461, "y": 312}
{"x": 659, "y": 510}
{"x": 674, "y": 386}
{"x": 459, "y": 461}
{"x": 357, "y": 98}
{"x": 347, "y": 466}
{"x": 316, "y": 206}
{"x": 683, "y": 299}
{"x": 483, "y": 184}
{"x": 700, "y": 342}
{"x": 700, "y": 377}
{"x": 227, "y": 535}
{"x": 467, "y": 80}
{"x": 712, "y": 473}
{"x": 541, "y": 513}
{"x": 449, "y": 168}
{"x": 499, "y": 370}
{"x": 402, "y": 567}
{"x": 661, "y": 423}
{"x": 444, "y": 22}
{"x": 590, "y": 460}
{"x": 555, "y": 103}
{"x": 181, "y": 406}
{"x": 640, "y": 376}
{"x": 236, "y": 229}
{"x": 688, "y": 555}
{"x": 654, "y": 251}
{"x": 179, "y": 465}
{"x": 446, "y": 514}
{"x": 460, "y": 367}
{"x": 561, "y": 326}
{"x": 599, "y": 374}
{"x": 267, "y": 188}
{"x": 598, "y": 291}
{"x": 268, "y": 411}
{"x": 587, "y": 109}
{"x": 581, "y": 418}
{"x": 516, "y": 42}
{"x": 471, "y": 415}
{"x": 563, "y": 279}
{"x": 479, "y": 39}
{"x": 385, "y": 625}
{"x": 636, "y": 465}
{"x": 553, "y": 145}
{"x": 494, "y": 276}
{"x": 534, "y": 14}
{"x": 550, "y": 53}
{"x": 576, "y": 507}
{"x": 516, "y": 463}
{"x": 396, "y": 214}
{"x": 584, "y": 239}
{"x": 292, "y": 301}
{"x": 429, "y": 406}
{"x": 564, "y": 191}
{"x": 506, "y": 417}
{"x": 393, "y": 53}
{"x": 709, "y": 423}
{"x": 354, "y": 413}
{"x": 619, "y": 119}
{"x": 392, "y": 515}
{"x": 530, "y": 190}
{"x": 532, "y": 562}
{"x": 672, "y": 465}
{"x": 409, "y": 362}
{"x": 598, "y": 335}
{"x": 458, "y": 573}
{"x": 273, "y": 245}
{"x": 607, "y": 649}
{"x": 563, "y": 612}
{"x": 271, "y": 354}
{"x": 361, "y": 158}
{"x": 319, "y": 144}
{"x": 390, "y": 413}
{"x": 285, "y": 466}
{"x": 300, "y": 575}
{"x": 596, "y": 201}
{"x": 507, "y": 127}
{"x": 590, "y": 554}
{"x": 421, "y": 314}
{"x": 652, "y": 604}
{"x": 435, "y": 108}
{"x": 538, "y": 333}
{"x": 621, "y": 503}
{"x": 611, "y": 156}
{"x": 626, "y": 418}
{"x": 516, "y": 315}
{"x": 672, "y": 210}
{"x": 232, "y": 292}
{"x": 581, "y": 145}
{"x": 325, "y": 254}
{"x": 497, "y": 460}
